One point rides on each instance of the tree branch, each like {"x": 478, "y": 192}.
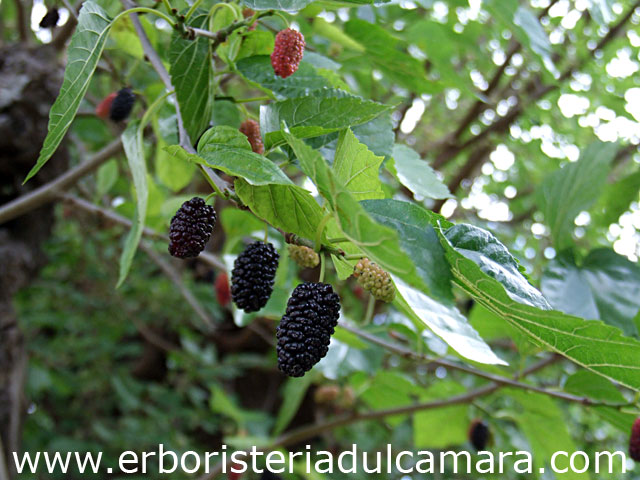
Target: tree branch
{"x": 406, "y": 353}
{"x": 48, "y": 192}
{"x": 206, "y": 257}
{"x": 305, "y": 433}
{"x": 175, "y": 278}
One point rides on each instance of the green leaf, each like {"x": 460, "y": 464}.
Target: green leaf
{"x": 441, "y": 53}
{"x": 258, "y": 70}
{"x": 134, "y": 150}
{"x": 106, "y": 177}
{"x": 616, "y": 199}
{"x": 86, "y": 46}
{"x": 494, "y": 259}
{"x": 192, "y": 75}
{"x": 332, "y": 32}
{"x": 386, "y": 53}
{"x": 378, "y": 242}
{"x": 606, "y": 286}
{"x": 357, "y": 168}
{"x": 588, "y": 384}
{"x": 591, "y": 344}
{"x": 544, "y": 425}
{"x": 293, "y": 393}
{"x": 389, "y": 389}
{"x": 323, "y": 112}
{"x": 171, "y": 171}
{"x": 288, "y": 207}
{"x": 226, "y": 149}
{"x": 418, "y": 239}
{"x": 574, "y": 188}
{"x": 446, "y": 322}
{"x": 441, "y": 427}
{"x": 416, "y": 174}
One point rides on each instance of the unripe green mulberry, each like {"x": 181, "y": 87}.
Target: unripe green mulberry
{"x": 374, "y": 280}
{"x": 304, "y": 256}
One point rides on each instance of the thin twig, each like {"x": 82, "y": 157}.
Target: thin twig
{"x": 49, "y": 191}
{"x": 406, "y": 353}
{"x": 176, "y": 279}
{"x": 206, "y": 257}
{"x": 310, "y": 431}
{"x": 158, "y": 66}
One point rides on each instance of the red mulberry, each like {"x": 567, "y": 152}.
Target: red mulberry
{"x": 50, "y": 19}
{"x": 122, "y": 105}
{"x": 104, "y": 107}
{"x": 479, "y": 435}
{"x": 634, "y": 441}
{"x": 223, "y": 292}
{"x": 191, "y": 228}
{"x": 251, "y": 129}
{"x": 252, "y": 277}
{"x": 248, "y": 13}
{"x": 305, "y": 330}
{"x": 287, "y": 52}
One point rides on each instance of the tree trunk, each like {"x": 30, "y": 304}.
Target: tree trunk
{"x": 29, "y": 83}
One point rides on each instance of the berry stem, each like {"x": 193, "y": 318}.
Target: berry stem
{"x": 339, "y": 240}
{"x": 354, "y": 256}
{"x": 266, "y": 232}
{"x": 320, "y": 231}
{"x": 283, "y": 18}
{"x": 167, "y": 5}
{"x": 323, "y": 263}
{"x": 166, "y": 18}
{"x": 371, "y": 304}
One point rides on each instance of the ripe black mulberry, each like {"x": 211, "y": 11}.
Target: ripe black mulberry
{"x": 634, "y": 441}
{"x": 191, "y": 228}
{"x": 252, "y": 277}
{"x": 122, "y": 105}
{"x": 287, "y": 52}
{"x": 375, "y": 280}
{"x": 305, "y": 330}
{"x": 251, "y": 129}
{"x": 50, "y": 18}
{"x": 479, "y": 435}
{"x": 304, "y": 256}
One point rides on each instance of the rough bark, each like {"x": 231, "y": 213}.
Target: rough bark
{"x": 29, "y": 83}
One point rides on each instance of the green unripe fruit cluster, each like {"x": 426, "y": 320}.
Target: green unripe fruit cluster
{"x": 374, "y": 280}
{"x": 304, "y": 256}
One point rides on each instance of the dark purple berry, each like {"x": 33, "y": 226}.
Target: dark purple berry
{"x": 191, "y": 228}
{"x": 305, "y": 330}
{"x": 252, "y": 277}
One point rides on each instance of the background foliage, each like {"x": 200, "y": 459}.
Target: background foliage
{"x": 484, "y": 153}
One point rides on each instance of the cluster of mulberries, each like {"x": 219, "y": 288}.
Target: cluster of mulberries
{"x": 251, "y": 129}
{"x": 116, "y": 106}
{"x": 634, "y": 441}
{"x": 252, "y": 277}
{"x": 479, "y": 435}
{"x": 305, "y": 330}
{"x": 50, "y": 18}
{"x": 375, "y": 280}
{"x": 287, "y": 52}
{"x": 191, "y": 228}
{"x": 304, "y": 256}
